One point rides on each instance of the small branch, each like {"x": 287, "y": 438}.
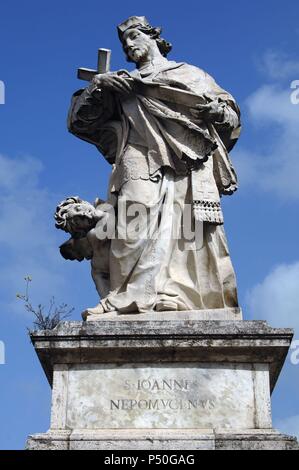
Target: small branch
{"x": 55, "y": 313}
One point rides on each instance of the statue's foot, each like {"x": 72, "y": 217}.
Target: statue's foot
{"x": 100, "y": 309}
{"x": 97, "y": 310}
{"x": 166, "y": 306}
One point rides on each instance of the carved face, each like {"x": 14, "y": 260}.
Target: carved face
{"x": 81, "y": 209}
{"x": 80, "y": 217}
{"x": 137, "y": 44}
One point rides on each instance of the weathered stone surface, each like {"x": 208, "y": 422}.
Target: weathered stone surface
{"x": 257, "y": 440}
{"x": 191, "y": 439}
{"x": 129, "y": 341}
{"x": 211, "y": 314}
{"x": 180, "y": 396}
{"x": 207, "y": 383}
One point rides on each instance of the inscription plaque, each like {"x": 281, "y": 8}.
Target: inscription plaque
{"x": 184, "y": 395}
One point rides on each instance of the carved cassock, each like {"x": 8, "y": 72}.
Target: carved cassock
{"x": 161, "y": 156}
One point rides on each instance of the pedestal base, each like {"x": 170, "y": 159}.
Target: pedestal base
{"x": 179, "y": 383}
{"x": 192, "y": 439}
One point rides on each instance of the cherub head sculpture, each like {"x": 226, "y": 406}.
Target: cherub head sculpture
{"x": 75, "y": 216}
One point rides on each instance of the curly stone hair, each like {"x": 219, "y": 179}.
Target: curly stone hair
{"x": 154, "y": 32}
{"x": 76, "y": 222}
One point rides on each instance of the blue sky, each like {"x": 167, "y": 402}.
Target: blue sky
{"x": 250, "y": 48}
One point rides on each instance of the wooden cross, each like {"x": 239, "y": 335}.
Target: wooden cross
{"x": 104, "y": 56}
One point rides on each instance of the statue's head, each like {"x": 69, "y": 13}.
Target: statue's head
{"x": 75, "y": 216}
{"x": 138, "y": 37}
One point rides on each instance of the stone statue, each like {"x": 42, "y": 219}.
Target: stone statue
{"x": 79, "y": 218}
{"x": 166, "y": 128}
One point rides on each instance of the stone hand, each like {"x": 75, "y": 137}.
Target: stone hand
{"x": 113, "y": 82}
{"x": 211, "y": 112}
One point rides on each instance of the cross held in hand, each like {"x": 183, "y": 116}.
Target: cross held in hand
{"x": 163, "y": 93}
{"x": 104, "y": 56}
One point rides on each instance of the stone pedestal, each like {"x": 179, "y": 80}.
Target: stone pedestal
{"x": 162, "y": 381}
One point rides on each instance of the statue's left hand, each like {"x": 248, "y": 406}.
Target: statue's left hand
{"x": 211, "y": 112}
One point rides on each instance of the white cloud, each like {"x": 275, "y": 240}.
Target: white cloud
{"x": 29, "y": 244}
{"x": 275, "y": 169}
{"x": 277, "y": 65}
{"x": 289, "y": 425}
{"x": 14, "y": 173}
{"x": 272, "y": 104}
{"x": 276, "y": 298}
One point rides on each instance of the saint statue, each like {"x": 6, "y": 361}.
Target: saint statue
{"x": 166, "y": 155}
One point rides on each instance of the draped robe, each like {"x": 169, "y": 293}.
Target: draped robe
{"x": 163, "y": 157}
